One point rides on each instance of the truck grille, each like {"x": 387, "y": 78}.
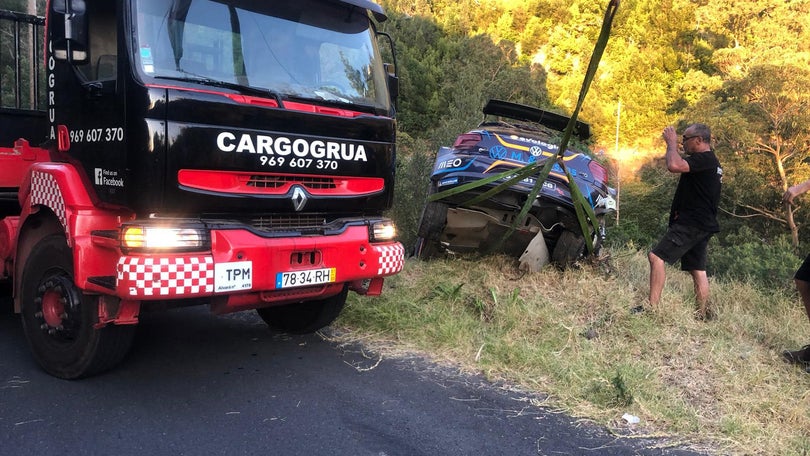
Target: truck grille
{"x": 270, "y": 182}
{"x": 287, "y": 222}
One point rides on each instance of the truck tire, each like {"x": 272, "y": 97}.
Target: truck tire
{"x": 6, "y": 299}
{"x": 58, "y": 319}
{"x": 304, "y": 317}
{"x": 569, "y": 249}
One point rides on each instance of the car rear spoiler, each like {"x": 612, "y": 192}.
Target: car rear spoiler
{"x": 522, "y": 112}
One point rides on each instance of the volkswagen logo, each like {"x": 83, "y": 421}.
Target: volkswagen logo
{"x": 497, "y": 152}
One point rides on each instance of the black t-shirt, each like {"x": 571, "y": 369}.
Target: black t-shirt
{"x": 698, "y": 193}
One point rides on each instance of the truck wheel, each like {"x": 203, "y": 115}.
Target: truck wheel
{"x": 570, "y": 247}
{"x": 304, "y": 317}
{"x": 58, "y": 319}
{"x": 6, "y": 301}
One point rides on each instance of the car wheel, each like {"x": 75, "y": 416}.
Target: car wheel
{"x": 569, "y": 249}
{"x": 431, "y": 225}
{"x": 434, "y": 217}
{"x": 59, "y": 320}
{"x": 427, "y": 249}
{"x": 304, "y": 317}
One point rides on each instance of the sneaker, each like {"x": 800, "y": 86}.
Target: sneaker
{"x": 637, "y": 310}
{"x": 801, "y": 356}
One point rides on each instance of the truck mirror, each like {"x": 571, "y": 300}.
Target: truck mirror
{"x": 70, "y": 37}
{"x": 393, "y": 82}
{"x": 391, "y": 69}
{"x": 59, "y": 6}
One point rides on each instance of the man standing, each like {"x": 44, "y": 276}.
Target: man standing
{"x": 802, "y": 281}
{"x": 693, "y": 215}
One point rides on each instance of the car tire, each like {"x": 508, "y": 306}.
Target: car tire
{"x": 431, "y": 226}
{"x": 427, "y": 249}
{"x": 569, "y": 249}
{"x": 434, "y": 217}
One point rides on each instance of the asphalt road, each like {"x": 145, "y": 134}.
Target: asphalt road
{"x": 198, "y": 384}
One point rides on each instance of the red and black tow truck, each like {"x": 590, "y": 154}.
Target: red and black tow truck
{"x": 233, "y": 153}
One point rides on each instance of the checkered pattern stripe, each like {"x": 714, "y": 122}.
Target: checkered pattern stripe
{"x": 392, "y": 258}
{"x": 45, "y": 191}
{"x": 162, "y": 276}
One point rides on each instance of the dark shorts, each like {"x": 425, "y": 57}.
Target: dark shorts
{"x": 803, "y": 273}
{"x": 685, "y": 243}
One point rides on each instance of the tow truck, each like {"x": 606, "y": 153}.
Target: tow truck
{"x": 165, "y": 153}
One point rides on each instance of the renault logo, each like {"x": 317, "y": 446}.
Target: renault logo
{"x": 299, "y": 198}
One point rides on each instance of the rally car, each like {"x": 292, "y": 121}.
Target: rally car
{"x": 511, "y": 137}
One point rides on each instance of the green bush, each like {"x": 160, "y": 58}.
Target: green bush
{"x": 628, "y": 234}
{"x": 745, "y": 256}
{"x": 415, "y": 159}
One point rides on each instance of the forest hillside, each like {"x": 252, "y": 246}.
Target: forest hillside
{"x": 742, "y": 67}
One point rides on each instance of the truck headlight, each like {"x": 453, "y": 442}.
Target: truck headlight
{"x": 383, "y": 231}
{"x": 140, "y": 237}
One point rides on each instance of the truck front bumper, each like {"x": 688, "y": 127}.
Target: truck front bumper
{"x": 262, "y": 269}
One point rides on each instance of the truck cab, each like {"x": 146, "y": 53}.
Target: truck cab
{"x": 201, "y": 106}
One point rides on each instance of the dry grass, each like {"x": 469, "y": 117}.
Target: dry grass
{"x": 719, "y": 384}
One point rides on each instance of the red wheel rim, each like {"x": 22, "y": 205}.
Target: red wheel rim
{"x": 53, "y": 308}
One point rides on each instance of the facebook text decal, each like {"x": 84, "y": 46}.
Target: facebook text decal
{"x": 108, "y": 178}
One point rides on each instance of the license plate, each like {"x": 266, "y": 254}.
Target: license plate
{"x": 305, "y": 278}
{"x": 233, "y": 276}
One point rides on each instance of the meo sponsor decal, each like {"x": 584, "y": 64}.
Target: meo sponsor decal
{"x": 233, "y": 276}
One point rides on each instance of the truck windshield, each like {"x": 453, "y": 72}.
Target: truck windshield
{"x": 309, "y": 49}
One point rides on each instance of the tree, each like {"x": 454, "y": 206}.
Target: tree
{"x": 775, "y": 101}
